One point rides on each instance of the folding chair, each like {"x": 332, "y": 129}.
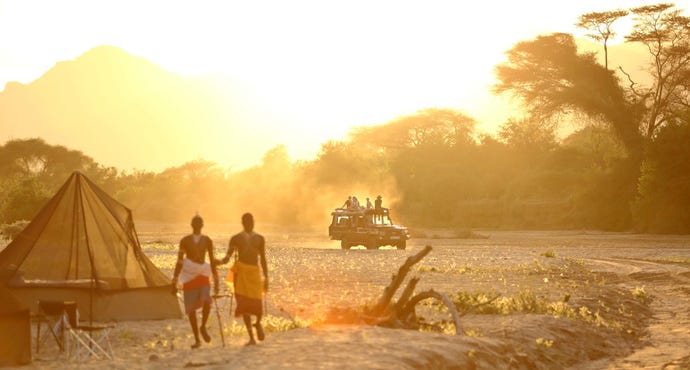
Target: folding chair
{"x": 53, "y": 313}
{"x": 89, "y": 340}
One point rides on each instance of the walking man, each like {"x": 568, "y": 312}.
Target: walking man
{"x": 193, "y": 272}
{"x": 249, "y": 287}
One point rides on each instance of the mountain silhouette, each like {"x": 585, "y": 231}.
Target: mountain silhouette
{"x": 128, "y": 112}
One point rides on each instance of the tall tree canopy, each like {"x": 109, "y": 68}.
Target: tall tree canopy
{"x": 426, "y": 127}
{"x": 549, "y": 77}
{"x": 600, "y": 26}
{"x": 666, "y": 34}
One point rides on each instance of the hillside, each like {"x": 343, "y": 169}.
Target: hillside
{"x": 127, "y": 112}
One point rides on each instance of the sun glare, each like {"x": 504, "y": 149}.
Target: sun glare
{"x": 304, "y": 71}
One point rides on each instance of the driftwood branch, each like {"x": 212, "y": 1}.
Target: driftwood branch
{"x": 384, "y": 301}
{"x": 401, "y": 314}
{"x": 406, "y": 294}
{"x": 410, "y": 306}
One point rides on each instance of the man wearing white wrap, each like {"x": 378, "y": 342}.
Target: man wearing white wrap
{"x": 193, "y": 272}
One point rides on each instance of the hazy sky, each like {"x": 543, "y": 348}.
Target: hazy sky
{"x": 322, "y": 66}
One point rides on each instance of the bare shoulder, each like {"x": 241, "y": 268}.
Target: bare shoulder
{"x": 260, "y": 241}
{"x": 184, "y": 241}
{"x": 235, "y": 239}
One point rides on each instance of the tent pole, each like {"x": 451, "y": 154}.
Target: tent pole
{"x": 90, "y": 251}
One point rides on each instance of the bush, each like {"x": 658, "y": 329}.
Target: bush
{"x": 23, "y": 199}
{"x": 663, "y": 202}
{"x": 9, "y": 231}
{"x": 549, "y": 254}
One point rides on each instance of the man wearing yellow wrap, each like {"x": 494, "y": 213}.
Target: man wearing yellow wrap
{"x": 249, "y": 287}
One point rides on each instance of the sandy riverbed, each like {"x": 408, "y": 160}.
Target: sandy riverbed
{"x": 598, "y": 301}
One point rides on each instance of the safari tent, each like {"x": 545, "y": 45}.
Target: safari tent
{"x": 15, "y": 330}
{"x": 82, "y": 246}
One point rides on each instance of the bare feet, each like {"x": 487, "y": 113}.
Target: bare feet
{"x": 196, "y": 345}
{"x": 204, "y": 334}
{"x": 251, "y": 342}
{"x": 259, "y": 331}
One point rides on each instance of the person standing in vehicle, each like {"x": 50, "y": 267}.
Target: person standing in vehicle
{"x": 378, "y": 209}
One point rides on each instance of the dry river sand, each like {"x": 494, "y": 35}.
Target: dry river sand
{"x": 583, "y": 300}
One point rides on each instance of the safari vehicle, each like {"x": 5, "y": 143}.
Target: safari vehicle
{"x": 366, "y": 227}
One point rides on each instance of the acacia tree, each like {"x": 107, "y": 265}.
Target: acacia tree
{"x": 431, "y": 126}
{"x": 666, "y": 34}
{"x": 431, "y": 155}
{"x": 599, "y": 23}
{"x": 550, "y": 77}
{"x": 528, "y": 134}
{"x": 49, "y": 164}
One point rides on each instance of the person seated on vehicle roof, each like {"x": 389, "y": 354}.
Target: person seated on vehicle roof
{"x": 355, "y": 202}
{"x": 369, "y": 205}
{"x": 348, "y": 203}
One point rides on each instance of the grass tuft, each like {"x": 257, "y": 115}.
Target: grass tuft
{"x": 641, "y": 295}
{"x": 549, "y": 254}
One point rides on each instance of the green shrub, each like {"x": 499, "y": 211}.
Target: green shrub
{"x": 9, "y": 231}
{"x": 549, "y": 254}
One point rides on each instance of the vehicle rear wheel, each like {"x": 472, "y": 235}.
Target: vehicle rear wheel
{"x": 402, "y": 244}
{"x": 344, "y": 244}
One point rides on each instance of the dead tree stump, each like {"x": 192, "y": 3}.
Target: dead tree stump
{"x": 401, "y": 314}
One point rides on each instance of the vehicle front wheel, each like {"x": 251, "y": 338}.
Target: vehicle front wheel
{"x": 345, "y": 244}
{"x": 372, "y": 244}
{"x": 402, "y": 244}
